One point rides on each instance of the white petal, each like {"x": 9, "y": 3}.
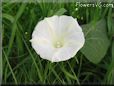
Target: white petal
{"x": 65, "y": 53}
{"x": 53, "y": 22}
{"x": 68, "y": 23}
{"x": 44, "y": 29}
{"x": 42, "y": 38}
{"x": 77, "y": 37}
{"x": 44, "y": 48}
{"x": 73, "y": 43}
{"x": 73, "y": 37}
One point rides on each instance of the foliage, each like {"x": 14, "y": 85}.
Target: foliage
{"x": 22, "y": 65}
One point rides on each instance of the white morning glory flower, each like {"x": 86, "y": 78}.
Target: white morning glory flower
{"x": 57, "y": 38}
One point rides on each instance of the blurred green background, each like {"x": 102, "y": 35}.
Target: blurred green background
{"x": 21, "y": 64}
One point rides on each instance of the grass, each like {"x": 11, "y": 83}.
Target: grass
{"x": 21, "y": 64}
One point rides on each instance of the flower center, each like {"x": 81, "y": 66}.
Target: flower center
{"x": 58, "y": 44}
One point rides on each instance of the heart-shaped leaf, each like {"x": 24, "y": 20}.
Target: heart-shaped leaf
{"x": 97, "y": 42}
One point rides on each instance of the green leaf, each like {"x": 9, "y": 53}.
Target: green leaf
{"x": 60, "y": 11}
{"x": 8, "y": 17}
{"x": 97, "y": 42}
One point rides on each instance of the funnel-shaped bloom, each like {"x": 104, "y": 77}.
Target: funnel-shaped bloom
{"x": 57, "y": 38}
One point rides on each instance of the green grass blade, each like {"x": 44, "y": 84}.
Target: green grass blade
{"x": 10, "y": 67}
{"x": 14, "y": 27}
